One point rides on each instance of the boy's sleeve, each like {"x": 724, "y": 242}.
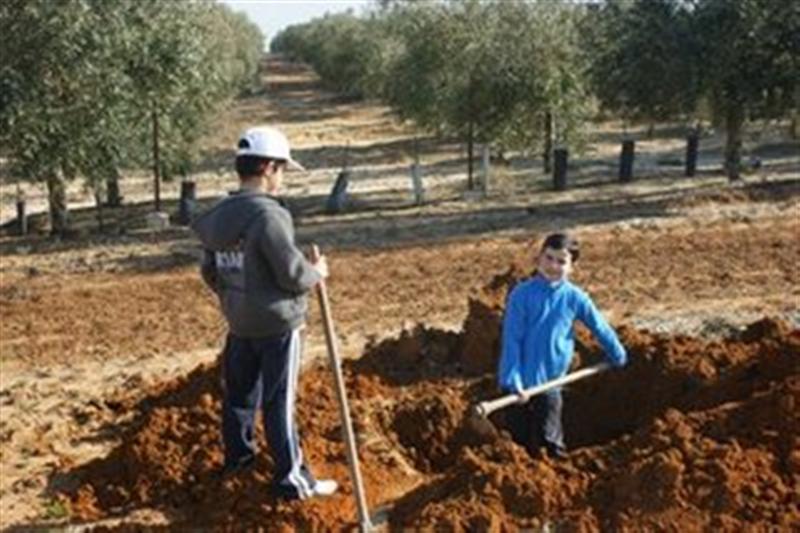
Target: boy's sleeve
{"x": 509, "y": 373}
{"x": 591, "y": 316}
{"x": 293, "y": 272}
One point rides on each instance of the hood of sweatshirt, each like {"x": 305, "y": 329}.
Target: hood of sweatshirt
{"x": 223, "y": 226}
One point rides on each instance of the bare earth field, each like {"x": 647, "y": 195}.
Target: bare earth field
{"x": 109, "y": 384}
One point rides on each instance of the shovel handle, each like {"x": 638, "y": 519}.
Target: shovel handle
{"x": 486, "y": 408}
{"x": 344, "y": 410}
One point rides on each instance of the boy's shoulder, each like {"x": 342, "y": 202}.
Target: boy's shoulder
{"x": 572, "y": 286}
{"x": 263, "y": 206}
{"x": 578, "y": 295}
{"x": 262, "y": 200}
{"x": 524, "y": 285}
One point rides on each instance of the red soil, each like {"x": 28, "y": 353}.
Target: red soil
{"x": 691, "y": 434}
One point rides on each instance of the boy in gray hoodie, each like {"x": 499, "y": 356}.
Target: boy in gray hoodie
{"x": 261, "y": 278}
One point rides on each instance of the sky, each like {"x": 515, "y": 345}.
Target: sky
{"x": 274, "y": 15}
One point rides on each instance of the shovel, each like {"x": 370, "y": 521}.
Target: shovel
{"x": 350, "y": 441}
{"x": 482, "y": 410}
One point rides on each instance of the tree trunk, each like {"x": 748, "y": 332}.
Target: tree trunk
{"x": 561, "y": 156}
{"x": 547, "y": 151}
{"x": 22, "y": 218}
{"x": 98, "y": 203}
{"x": 156, "y": 161}
{"x": 692, "y": 146}
{"x": 734, "y": 120}
{"x": 470, "y": 155}
{"x": 57, "y": 200}
{"x": 113, "y": 197}
{"x": 188, "y": 202}
{"x": 626, "y": 158}
{"x": 485, "y": 169}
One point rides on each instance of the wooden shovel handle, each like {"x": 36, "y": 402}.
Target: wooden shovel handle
{"x": 484, "y": 409}
{"x": 341, "y": 394}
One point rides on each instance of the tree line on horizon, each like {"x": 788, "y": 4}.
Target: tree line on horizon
{"x": 531, "y": 75}
{"x": 91, "y": 87}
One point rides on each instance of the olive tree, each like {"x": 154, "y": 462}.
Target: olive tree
{"x": 62, "y": 91}
{"x": 657, "y": 59}
{"x": 643, "y": 58}
{"x": 751, "y": 64}
{"x": 89, "y": 86}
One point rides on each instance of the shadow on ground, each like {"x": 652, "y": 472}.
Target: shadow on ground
{"x": 375, "y": 220}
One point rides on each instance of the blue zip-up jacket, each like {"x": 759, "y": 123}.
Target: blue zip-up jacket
{"x": 538, "y": 337}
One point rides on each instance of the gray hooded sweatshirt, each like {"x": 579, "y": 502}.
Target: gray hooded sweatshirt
{"x": 252, "y": 263}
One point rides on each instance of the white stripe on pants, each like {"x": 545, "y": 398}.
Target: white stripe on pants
{"x": 295, "y": 476}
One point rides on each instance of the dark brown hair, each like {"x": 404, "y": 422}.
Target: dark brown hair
{"x": 250, "y": 165}
{"x": 563, "y": 241}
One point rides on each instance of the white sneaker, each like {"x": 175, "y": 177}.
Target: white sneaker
{"x": 324, "y": 487}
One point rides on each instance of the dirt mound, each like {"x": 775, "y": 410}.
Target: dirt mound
{"x": 691, "y": 434}
{"x": 171, "y": 452}
{"x": 480, "y": 341}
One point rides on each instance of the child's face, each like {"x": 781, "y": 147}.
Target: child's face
{"x": 554, "y": 265}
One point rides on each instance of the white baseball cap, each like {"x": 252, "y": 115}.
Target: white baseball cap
{"x": 264, "y": 141}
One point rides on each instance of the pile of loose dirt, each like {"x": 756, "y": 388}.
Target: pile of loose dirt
{"x": 481, "y": 332}
{"x": 692, "y": 433}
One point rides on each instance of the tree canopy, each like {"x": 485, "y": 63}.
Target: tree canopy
{"x": 482, "y": 71}
{"x": 498, "y": 71}
{"x": 83, "y": 80}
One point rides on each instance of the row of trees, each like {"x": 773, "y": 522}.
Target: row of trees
{"x": 526, "y": 75}
{"x": 89, "y": 87}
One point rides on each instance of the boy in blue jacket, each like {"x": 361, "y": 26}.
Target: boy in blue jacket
{"x": 538, "y": 341}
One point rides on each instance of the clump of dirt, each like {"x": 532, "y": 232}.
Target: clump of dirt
{"x": 691, "y": 434}
{"x": 485, "y": 486}
{"x": 480, "y": 341}
{"x": 425, "y": 428}
{"x": 415, "y": 353}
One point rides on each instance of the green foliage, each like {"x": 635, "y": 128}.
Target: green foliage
{"x": 750, "y": 54}
{"x": 659, "y": 59}
{"x": 654, "y": 59}
{"x": 643, "y": 58}
{"x": 177, "y": 70}
{"x": 81, "y": 80}
{"x": 55, "y": 80}
{"x": 492, "y": 69}
{"x": 751, "y": 57}
{"x": 548, "y": 50}
{"x": 236, "y": 50}
{"x": 339, "y": 47}
{"x": 479, "y": 70}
